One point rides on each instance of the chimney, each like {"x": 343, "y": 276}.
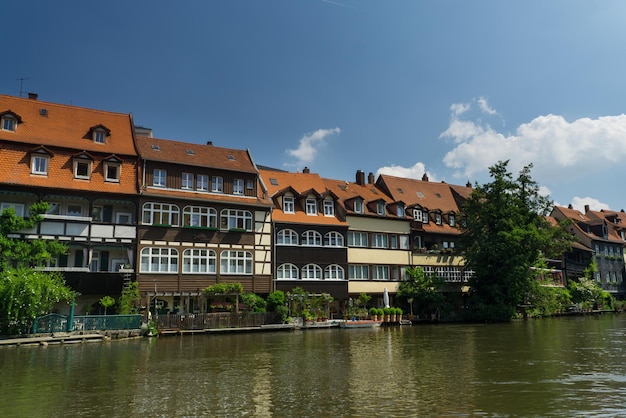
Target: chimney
{"x": 360, "y": 177}
{"x": 306, "y": 170}
{"x": 33, "y": 96}
{"x": 370, "y": 178}
{"x": 468, "y": 184}
{"x": 424, "y": 177}
{"x": 570, "y": 206}
{"x": 586, "y": 208}
{"x": 209, "y": 143}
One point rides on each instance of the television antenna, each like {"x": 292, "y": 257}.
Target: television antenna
{"x": 21, "y": 80}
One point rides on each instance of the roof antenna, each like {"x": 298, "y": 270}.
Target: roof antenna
{"x": 21, "y": 80}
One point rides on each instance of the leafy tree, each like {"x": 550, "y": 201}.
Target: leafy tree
{"x": 25, "y": 253}
{"x": 504, "y": 234}
{"x": 276, "y": 302}
{"x": 106, "y": 302}
{"x": 424, "y": 289}
{"x": 26, "y": 294}
{"x": 253, "y": 301}
{"x": 129, "y": 299}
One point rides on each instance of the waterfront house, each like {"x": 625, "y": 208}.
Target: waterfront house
{"x": 598, "y": 234}
{"x": 309, "y": 239}
{"x": 83, "y": 162}
{"x": 378, "y": 237}
{"x": 204, "y": 219}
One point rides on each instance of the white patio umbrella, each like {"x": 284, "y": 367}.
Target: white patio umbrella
{"x": 386, "y": 298}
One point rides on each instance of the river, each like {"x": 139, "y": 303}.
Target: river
{"x": 561, "y": 367}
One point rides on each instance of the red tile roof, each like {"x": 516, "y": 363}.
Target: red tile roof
{"x": 58, "y": 125}
{"x": 421, "y": 193}
{"x": 199, "y": 155}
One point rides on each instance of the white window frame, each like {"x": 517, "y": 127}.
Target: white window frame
{"x": 334, "y": 272}
{"x": 159, "y": 177}
{"x": 333, "y": 239}
{"x": 380, "y": 240}
{"x": 167, "y": 212}
{"x": 358, "y": 206}
{"x": 236, "y": 262}
{"x": 438, "y": 219}
{"x": 238, "y": 186}
{"x": 380, "y": 208}
{"x": 37, "y": 161}
{"x": 159, "y": 260}
{"x": 311, "y": 238}
{"x": 199, "y": 261}
{"x": 329, "y": 208}
{"x": 217, "y": 184}
{"x": 287, "y": 271}
{"x": 9, "y": 123}
{"x": 381, "y": 272}
{"x": 199, "y": 216}
{"x": 452, "y": 219}
{"x": 81, "y": 162}
{"x": 287, "y": 237}
{"x": 311, "y": 207}
{"x": 425, "y": 216}
{"x": 357, "y": 239}
{"x": 400, "y": 212}
{"x": 107, "y": 173}
{"x": 358, "y": 272}
{"x": 235, "y": 219}
{"x": 312, "y": 272}
{"x": 202, "y": 182}
{"x": 417, "y": 215}
{"x": 186, "y": 181}
{"x": 288, "y": 204}
{"x": 99, "y": 136}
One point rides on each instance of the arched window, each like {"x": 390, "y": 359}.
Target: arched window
{"x": 236, "y": 219}
{"x": 235, "y": 262}
{"x": 159, "y": 260}
{"x": 199, "y": 216}
{"x": 160, "y": 214}
{"x": 334, "y": 272}
{"x": 311, "y": 272}
{"x": 311, "y": 239}
{"x": 287, "y": 237}
{"x": 287, "y": 271}
{"x": 333, "y": 239}
{"x": 199, "y": 261}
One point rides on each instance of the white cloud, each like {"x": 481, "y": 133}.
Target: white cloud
{"x": 559, "y": 150}
{"x": 579, "y": 203}
{"x": 417, "y": 171}
{"x": 459, "y": 108}
{"x": 310, "y": 143}
{"x": 484, "y": 106}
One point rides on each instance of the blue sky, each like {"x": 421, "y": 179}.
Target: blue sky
{"x": 402, "y": 87}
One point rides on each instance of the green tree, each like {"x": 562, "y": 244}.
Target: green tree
{"x": 504, "y": 234}
{"x": 106, "y": 302}
{"x": 16, "y": 252}
{"x": 26, "y": 294}
{"x": 424, "y": 289}
{"x": 129, "y": 299}
{"x": 253, "y": 302}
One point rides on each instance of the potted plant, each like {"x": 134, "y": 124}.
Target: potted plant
{"x": 399, "y": 313}
{"x": 387, "y": 314}
{"x": 381, "y": 314}
{"x": 373, "y": 314}
{"x": 392, "y": 314}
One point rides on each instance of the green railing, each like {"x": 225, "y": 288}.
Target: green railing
{"x": 59, "y": 323}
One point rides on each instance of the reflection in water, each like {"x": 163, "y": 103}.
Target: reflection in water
{"x": 556, "y": 367}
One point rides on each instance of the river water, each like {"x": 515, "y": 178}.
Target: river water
{"x": 561, "y": 367}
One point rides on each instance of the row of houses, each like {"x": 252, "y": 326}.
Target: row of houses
{"x": 178, "y": 217}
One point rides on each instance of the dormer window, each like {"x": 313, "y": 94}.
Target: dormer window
{"x": 358, "y": 206}
{"x": 400, "y": 210}
{"x": 438, "y": 218}
{"x": 82, "y": 169}
{"x": 451, "y": 219}
{"x": 288, "y": 204}
{"x": 39, "y": 164}
{"x": 311, "y": 207}
{"x": 99, "y": 133}
{"x": 9, "y": 121}
{"x": 380, "y": 208}
{"x": 329, "y": 208}
{"x": 425, "y": 216}
{"x": 417, "y": 215}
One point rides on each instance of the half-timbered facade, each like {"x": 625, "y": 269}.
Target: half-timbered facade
{"x": 83, "y": 162}
{"x": 204, "y": 219}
